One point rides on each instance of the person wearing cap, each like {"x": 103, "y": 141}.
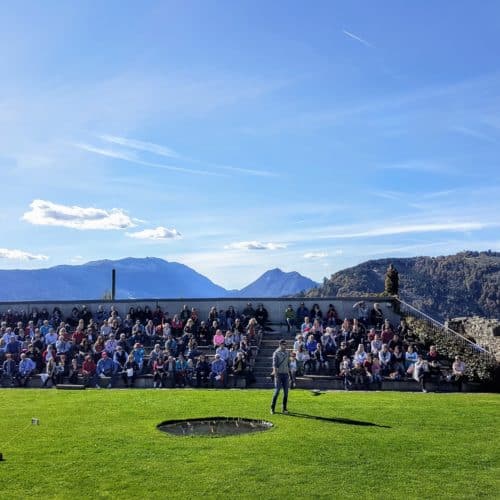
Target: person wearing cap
{"x": 280, "y": 373}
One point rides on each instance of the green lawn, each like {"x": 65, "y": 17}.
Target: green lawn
{"x": 98, "y": 444}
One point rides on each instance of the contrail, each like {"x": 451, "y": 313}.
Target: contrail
{"x": 359, "y": 39}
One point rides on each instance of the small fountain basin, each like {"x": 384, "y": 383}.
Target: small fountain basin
{"x": 214, "y": 426}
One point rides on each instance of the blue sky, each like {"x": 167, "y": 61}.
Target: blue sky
{"x": 236, "y": 137}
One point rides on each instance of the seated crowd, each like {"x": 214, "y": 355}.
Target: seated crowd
{"x": 363, "y": 350}
{"x": 100, "y": 347}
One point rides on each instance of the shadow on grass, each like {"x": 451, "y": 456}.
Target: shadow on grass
{"x": 337, "y": 420}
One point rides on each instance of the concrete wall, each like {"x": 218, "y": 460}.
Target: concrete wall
{"x": 275, "y": 307}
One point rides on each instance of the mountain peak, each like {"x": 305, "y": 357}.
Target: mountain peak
{"x": 277, "y": 283}
{"x": 274, "y": 272}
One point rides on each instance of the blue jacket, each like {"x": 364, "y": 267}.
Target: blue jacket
{"x": 106, "y": 366}
{"x": 218, "y": 366}
{"x": 26, "y": 366}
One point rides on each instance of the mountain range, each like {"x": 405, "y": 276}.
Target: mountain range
{"x": 136, "y": 278}
{"x": 467, "y": 283}
{"x": 447, "y": 286}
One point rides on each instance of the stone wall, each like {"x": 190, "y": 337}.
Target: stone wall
{"x": 484, "y": 331}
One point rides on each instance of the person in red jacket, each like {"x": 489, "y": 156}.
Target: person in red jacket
{"x": 89, "y": 371}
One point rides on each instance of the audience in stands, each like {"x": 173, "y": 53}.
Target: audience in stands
{"x": 99, "y": 348}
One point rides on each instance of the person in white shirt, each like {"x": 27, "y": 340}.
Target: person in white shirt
{"x": 458, "y": 372}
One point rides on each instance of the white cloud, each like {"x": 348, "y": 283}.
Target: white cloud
{"x": 423, "y": 99}
{"x": 434, "y": 220}
{"x": 440, "y": 194}
{"x": 159, "y": 233}
{"x": 321, "y": 255}
{"x": 417, "y": 249}
{"x": 6, "y": 253}
{"x": 476, "y": 134}
{"x": 121, "y": 155}
{"x": 412, "y": 228}
{"x": 420, "y": 166}
{"x": 357, "y": 38}
{"x": 150, "y": 147}
{"x": 254, "y": 245}
{"x": 46, "y": 213}
{"x": 110, "y": 153}
{"x": 160, "y": 150}
{"x": 315, "y": 255}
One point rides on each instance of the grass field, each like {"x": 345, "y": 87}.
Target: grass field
{"x": 104, "y": 444}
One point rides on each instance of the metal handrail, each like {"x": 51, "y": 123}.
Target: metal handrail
{"x": 446, "y": 328}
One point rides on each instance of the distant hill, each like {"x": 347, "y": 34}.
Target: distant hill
{"x": 136, "y": 278}
{"x": 449, "y": 286}
{"x": 276, "y": 283}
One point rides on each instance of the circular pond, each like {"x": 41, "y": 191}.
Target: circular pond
{"x": 213, "y": 426}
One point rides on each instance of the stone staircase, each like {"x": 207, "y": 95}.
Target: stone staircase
{"x": 263, "y": 362}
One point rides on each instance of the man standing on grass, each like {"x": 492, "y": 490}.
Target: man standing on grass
{"x": 281, "y": 369}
